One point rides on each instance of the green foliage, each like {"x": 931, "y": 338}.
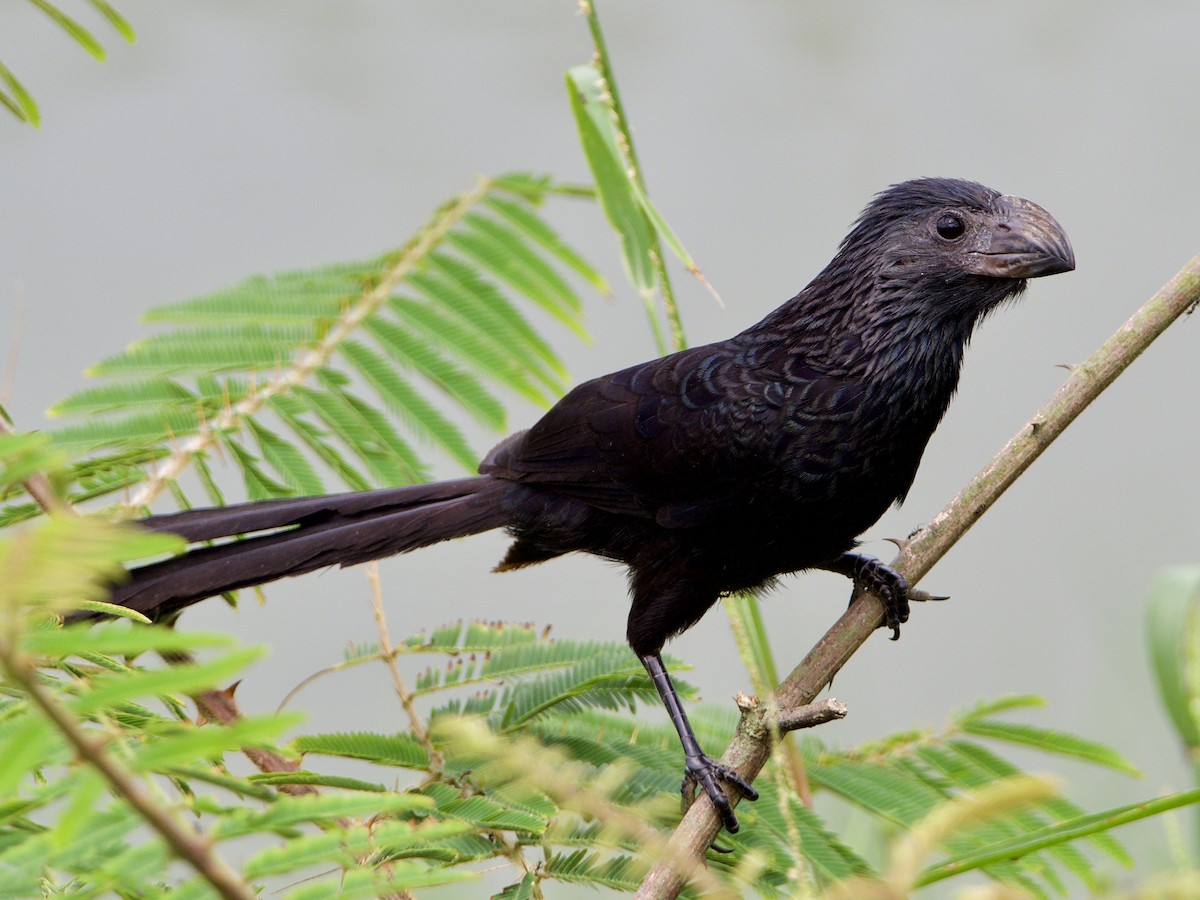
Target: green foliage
{"x": 13, "y": 95}
{"x": 1173, "y": 637}
{"x": 348, "y": 368}
{"x": 521, "y": 752}
{"x": 900, "y": 781}
{"x": 1173, "y": 632}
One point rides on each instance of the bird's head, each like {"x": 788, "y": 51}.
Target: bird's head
{"x": 958, "y": 246}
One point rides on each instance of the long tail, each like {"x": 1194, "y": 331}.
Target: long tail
{"x": 305, "y": 534}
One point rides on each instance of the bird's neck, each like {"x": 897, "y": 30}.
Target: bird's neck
{"x": 902, "y": 341}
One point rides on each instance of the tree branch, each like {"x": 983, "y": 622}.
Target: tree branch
{"x": 750, "y": 747}
{"x": 181, "y": 837}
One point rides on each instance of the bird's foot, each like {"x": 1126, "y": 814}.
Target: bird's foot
{"x": 889, "y": 586}
{"x": 708, "y": 774}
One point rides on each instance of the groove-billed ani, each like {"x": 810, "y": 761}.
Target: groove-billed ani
{"x": 708, "y": 471}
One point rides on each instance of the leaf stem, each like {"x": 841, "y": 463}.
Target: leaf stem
{"x": 387, "y": 653}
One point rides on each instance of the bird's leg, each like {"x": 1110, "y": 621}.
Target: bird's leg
{"x": 701, "y": 769}
{"x": 881, "y": 580}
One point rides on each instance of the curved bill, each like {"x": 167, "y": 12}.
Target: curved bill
{"x": 1026, "y": 242}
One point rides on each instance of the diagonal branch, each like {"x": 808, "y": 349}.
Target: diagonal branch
{"x": 750, "y": 747}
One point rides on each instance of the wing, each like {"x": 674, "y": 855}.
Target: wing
{"x": 684, "y": 438}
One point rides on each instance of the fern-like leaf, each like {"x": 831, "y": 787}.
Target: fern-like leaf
{"x": 400, "y": 749}
{"x": 340, "y": 366}
{"x": 1051, "y": 741}
{"x": 622, "y": 873}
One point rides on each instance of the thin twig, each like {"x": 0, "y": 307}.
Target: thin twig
{"x": 749, "y": 752}
{"x": 388, "y": 654}
{"x": 191, "y": 847}
{"x": 811, "y": 715}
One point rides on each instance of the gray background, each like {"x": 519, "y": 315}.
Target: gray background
{"x": 248, "y": 137}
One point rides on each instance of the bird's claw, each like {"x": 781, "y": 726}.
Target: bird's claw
{"x": 889, "y": 586}
{"x": 708, "y": 774}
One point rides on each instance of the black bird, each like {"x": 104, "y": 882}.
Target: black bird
{"x": 712, "y": 470}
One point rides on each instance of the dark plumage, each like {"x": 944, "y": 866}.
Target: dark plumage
{"x": 712, "y": 470}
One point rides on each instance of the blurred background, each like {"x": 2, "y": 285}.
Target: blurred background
{"x": 237, "y": 138}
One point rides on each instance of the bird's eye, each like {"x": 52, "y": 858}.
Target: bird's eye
{"x": 950, "y": 227}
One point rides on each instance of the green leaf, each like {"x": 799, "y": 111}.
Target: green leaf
{"x": 1000, "y": 704}
{"x": 82, "y": 36}
{"x": 965, "y": 774}
{"x": 461, "y": 287}
{"x": 18, "y": 100}
{"x": 296, "y": 471}
{"x": 506, "y": 254}
{"x": 109, "y": 690}
{"x": 520, "y": 890}
{"x": 536, "y": 229}
{"x": 26, "y": 745}
{"x": 241, "y": 787}
{"x": 1058, "y": 833}
{"x": 286, "y": 811}
{"x": 745, "y": 615}
{"x": 215, "y": 495}
{"x": 995, "y": 767}
{"x": 825, "y": 852}
{"x": 401, "y": 749}
{"x": 317, "y": 780}
{"x": 610, "y": 679}
{"x": 614, "y": 187}
{"x": 533, "y": 188}
{"x": 486, "y": 813}
{"x": 367, "y": 433}
{"x": 115, "y": 19}
{"x": 259, "y": 485}
{"x": 25, "y": 454}
{"x": 312, "y": 298}
{"x": 398, "y": 879}
{"x": 419, "y": 414}
{"x": 183, "y": 745}
{"x": 259, "y": 344}
{"x": 412, "y": 353}
{"x": 112, "y": 609}
{"x": 115, "y": 639}
{"x": 339, "y": 846}
{"x": 504, "y": 662}
{"x": 622, "y": 873}
{"x": 126, "y": 432}
{"x": 1173, "y": 633}
{"x": 880, "y": 788}
{"x": 291, "y": 411}
{"x": 152, "y": 393}
{"x": 67, "y": 558}
{"x": 474, "y": 343}
{"x": 1051, "y": 741}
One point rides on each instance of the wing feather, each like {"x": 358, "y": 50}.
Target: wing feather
{"x": 680, "y": 439}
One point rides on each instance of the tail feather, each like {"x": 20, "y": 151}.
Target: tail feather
{"x": 339, "y": 529}
{"x": 260, "y": 515}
